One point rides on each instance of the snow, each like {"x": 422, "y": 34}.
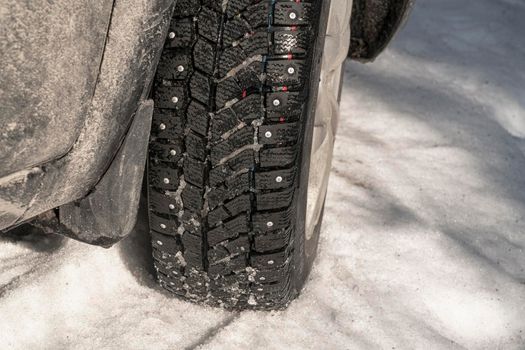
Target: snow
{"x": 424, "y": 231}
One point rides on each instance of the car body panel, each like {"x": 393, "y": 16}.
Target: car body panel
{"x": 49, "y": 72}
{"x": 132, "y": 48}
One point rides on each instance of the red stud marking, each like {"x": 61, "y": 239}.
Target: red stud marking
{"x": 285, "y": 88}
{"x": 294, "y": 28}
{"x": 290, "y": 56}
{"x": 281, "y": 119}
{"x": 244, "y": 93}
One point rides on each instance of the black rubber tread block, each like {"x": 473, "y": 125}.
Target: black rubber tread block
{"x": 194, "y": 261}
{"x": 174, "y": 65}
{"x": 257, "y": 15}
{"x": 170, "y": 96}
{"x": 234, "y": 7}
{"x": 218, "y": 196}
{"x": 222, "y": 122}
{"x": 234, "y": 30}
{"x": 241, "y": 160}
{"x": 163, "y": 175}
{"x": 167, "y": 124}
{"x": 275, "y": 118}
{"x": 237, "y": 263}
{"x": 229, "y": 229}
{"x": 221, "y": 173}
{"x": 292, "y": 13}
{"x": 229, "y": 249}
{"x": 289, "y": 73}
{"x": 249, "y": 78}
{"x": 231, "y": 208}
{"x": 256, "y": 43}
{"x": 232, "y": 187}
{"x": 162, "y": 203}
{"x": 196, "y": 146}
{"x": 166, "y": 270}
{"x": 278, "y": 133}
{"x": 269, "y": 261}
{"x": 165, "y": 242}
{"x": 249, "y": 108}
{"x": 272, "y": 240}
{"x": 183, "y": 31}
{"x": 290, "y": 104}
{"x": 184, "y": 8}
{"x": 215, "y": 5}
{"x": 209, "y": 22}
{"x": 271, "y": 221}
{"x": 235, "y": 87}
{"x": 276, "y": 292}
{"x": 204, "y": 56}
{"x": 240, "y": 245}
{"x": 198, "y": 118}
{"x": 192, "y": 197}
{"x": 165, "y": 224}
{"x": 273, "y": 288}
{"x": 238, "y": 204}
{"x": 169, "y": 267}
{"x": 218, "y": 253}
{"x": 266, "y": 294}
{"x": 226, "y": 284}
{"x": 172, "y": 264}
{"x": 197, "y": 284}
{"x": 290, "y": 41}
{"x": 227, "y": 90}
{"x": 274, "y": 199}
{"x": 275, "y": 179}
{"x": 279, "y": 156}
{"x": 249, "y": 47}
{"x": 230, "y": 58}
{"x": 217, "y": 215}
{"x": 273, "y": 274}
{"x": 238, "y": 139}
{"x": 194, "y": 171}
{"x": 200, "y": 87}
{"x": 165, "y": 152}
{"x": 192, "y": 244}
{"x": 171, "y": 285}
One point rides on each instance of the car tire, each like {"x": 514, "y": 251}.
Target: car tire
{"x": 230, "y": 154}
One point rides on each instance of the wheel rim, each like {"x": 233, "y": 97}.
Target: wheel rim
{"x": 335, "y": 51}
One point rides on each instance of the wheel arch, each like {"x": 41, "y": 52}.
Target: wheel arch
{"x": 374, "y": 24}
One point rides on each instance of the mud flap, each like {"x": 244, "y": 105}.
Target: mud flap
{"x": 109, "y": 212}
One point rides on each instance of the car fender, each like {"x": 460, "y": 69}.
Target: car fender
{"x": 131, "y": 50}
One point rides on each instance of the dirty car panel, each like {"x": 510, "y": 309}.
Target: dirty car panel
{"x": 49, "y": 72}
{"x": 122, "y": 77}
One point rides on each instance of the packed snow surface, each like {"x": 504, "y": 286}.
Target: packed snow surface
{"x": 424, "y": 231}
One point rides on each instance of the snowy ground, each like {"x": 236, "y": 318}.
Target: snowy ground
{"x": 424, "y": 235}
